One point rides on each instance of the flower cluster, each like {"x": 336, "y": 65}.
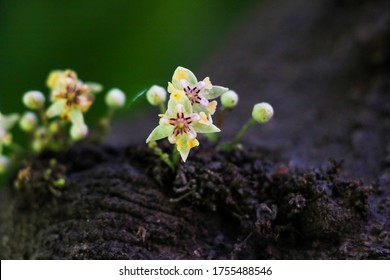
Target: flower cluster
{"x": 70, "y": 98}
{"x": 189, "y": 111}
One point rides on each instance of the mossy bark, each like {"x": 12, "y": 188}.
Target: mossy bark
{"x": 126, "y": 204}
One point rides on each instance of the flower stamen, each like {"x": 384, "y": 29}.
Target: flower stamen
{"x": 193, "y": 93}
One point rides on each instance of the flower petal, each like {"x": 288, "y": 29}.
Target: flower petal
{"x": 182, "y": 147}
{"x": 84, "y": 102}
{"x": 202, "y": 128}
{"x": 76, "y": 117}
{"x": 182, "y": 73}
{"x": 94, "y": 87}
{"x": 9, "y": 121}
{"x": 212, "y": 107}
{"x": 207, "y": 83}
{"x": 214, "y": 92}
{"x": 56, "y": 108}
{"x": 204, "y": 119}
{"x": 173, "y": 102}
{"x": 160, "y": 132}
{"x": 53, "y": 78}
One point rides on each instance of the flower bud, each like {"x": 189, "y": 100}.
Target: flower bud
{"x": 115, "y": 98}
{"x": 5, "y": 137}
{"x": 40, "y": 139}
{"x": 59, "y": 182}
{"x": 78, "y": 132}
{"x": 229, "y": 99}
{"x": 4, "y": 163}
{"x": 28, "y": 122}
{"x": 262, "y": 112}
{"x": 54, "y": 127}
{"x": 156, "y": 95}
{"x": 34, "y": 99}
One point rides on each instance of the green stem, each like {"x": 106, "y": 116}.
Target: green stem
{"x": 213, "y": 137}
{"x": 163, "y": 109}
{"x": 175, "y": 156}
{"x": 243, "y": 130}
{"x": 104, "y": 124}
{"x": 158, "y": 152}
{"x": 110, "y": 113}
{"x": 43, "y": 117}
{"x": 221, "y": 117}
{"x": 230, "y": 144}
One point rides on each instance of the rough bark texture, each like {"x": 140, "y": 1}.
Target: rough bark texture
{"x": 324, "y": 65}
{"x": 125, "y": 204}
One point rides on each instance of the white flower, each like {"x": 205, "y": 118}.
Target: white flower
{"x": 180, "y": 125}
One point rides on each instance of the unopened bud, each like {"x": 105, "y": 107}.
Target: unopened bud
{"x": 78, "y": 132}
{"x": 54, "y": 127}
{"x": 4, "y": 163}
{"x": 28, "y": 122}
{"x": 229, "y": 99}
{"x": 34, "y": 99}
{"x": 262, "y": 112}
{"x": 59, "y": 182}
{"x": 40, "y": 139}
{"x": 115, "y": 98}
{"x": 156, "y": 95}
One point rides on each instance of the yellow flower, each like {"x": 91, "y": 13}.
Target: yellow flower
{"x": 184, "y": 82}
{"x": 70, "y": 96}
{"x": 180, "y": 125}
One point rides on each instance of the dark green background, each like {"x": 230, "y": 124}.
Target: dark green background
{"x": 125, "y": 44}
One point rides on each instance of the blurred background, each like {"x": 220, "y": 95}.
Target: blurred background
{"x": 119, "y": 43}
